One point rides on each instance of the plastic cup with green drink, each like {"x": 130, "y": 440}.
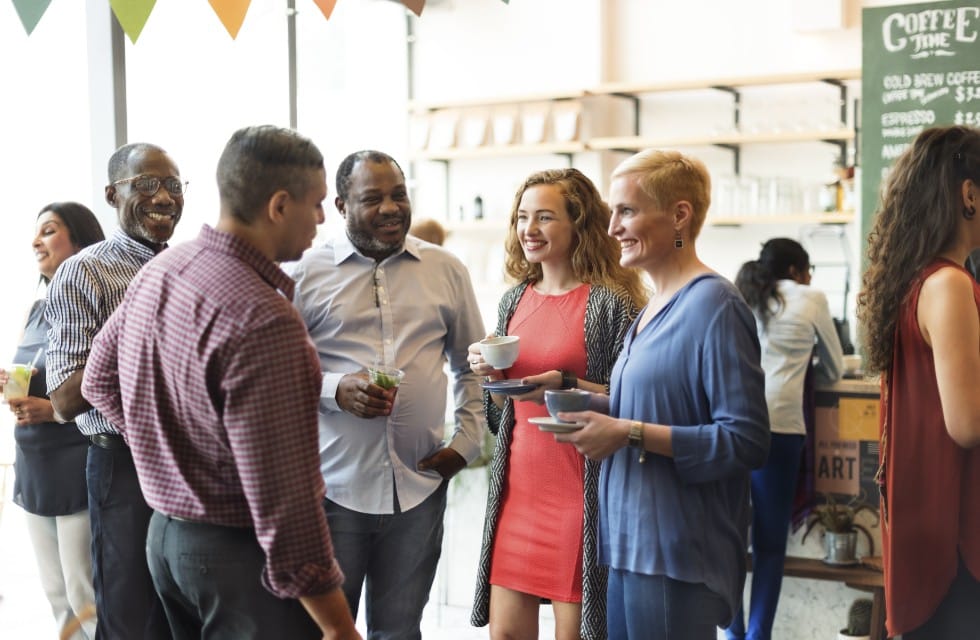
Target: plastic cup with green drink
{"x": 18, "y": 381}
{"x": 385, "y": 377}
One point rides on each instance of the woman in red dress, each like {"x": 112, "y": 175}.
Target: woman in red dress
{"x": 920, "y": 310}
{"x": 571, "y": 308}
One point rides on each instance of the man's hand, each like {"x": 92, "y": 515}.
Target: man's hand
{"x": 358, "y": 397}
{"x": 446, "y": 461}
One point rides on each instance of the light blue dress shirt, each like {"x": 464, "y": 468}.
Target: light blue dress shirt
{"x": 693, "y": 367}
{"x": 787, "y": 347}
{"x": 417, "y": 310}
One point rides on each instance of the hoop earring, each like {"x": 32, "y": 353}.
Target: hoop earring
{"x": 968, "y": 213}
{"x": 678, "y": 240}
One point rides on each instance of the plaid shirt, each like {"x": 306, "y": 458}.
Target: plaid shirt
{"x": 84, "y": 292}
{"x": 208, "y": 371}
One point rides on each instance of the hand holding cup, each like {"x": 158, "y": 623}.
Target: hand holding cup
{"x": 500, "y": 352}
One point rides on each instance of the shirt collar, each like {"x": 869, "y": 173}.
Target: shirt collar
{"x": 132, "y": 245}
{"x": 344, "y": 249}
{"x": 246, "y": 252}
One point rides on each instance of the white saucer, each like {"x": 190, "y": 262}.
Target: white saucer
{"x": 549, "y": 424}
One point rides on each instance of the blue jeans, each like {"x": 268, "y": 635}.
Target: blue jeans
{"x": 397, "y": 555}
{"x": 773, "y": 488}
{"x": 646, "y": 607}
{"x": 210, "y": 581}
{"x": 125, "y": 600}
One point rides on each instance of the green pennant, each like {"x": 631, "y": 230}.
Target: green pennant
{"x": 30, "y": 12}
{"x": 132, "y": 15}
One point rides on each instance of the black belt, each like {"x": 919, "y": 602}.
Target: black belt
{"x": 108, "y": 440}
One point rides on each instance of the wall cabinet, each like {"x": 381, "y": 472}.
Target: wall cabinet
{"x": 616, "y": 117}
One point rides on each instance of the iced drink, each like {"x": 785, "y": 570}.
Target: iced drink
{"x": 18, "y": 382}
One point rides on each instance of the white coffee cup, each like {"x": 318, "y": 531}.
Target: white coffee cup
{"x": 500, "y": 352}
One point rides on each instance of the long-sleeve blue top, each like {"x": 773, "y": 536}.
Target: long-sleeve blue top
{"x": 694, "y": 367}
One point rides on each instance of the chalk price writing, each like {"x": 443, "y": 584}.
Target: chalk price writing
{"x": 968, "y": 118}
{"x": 967, "y": 94}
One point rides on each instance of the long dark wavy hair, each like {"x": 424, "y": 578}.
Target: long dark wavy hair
{"x": 757, "y": 279}
{"x": 594, "y": 253}
{"x": 917, "y": 219}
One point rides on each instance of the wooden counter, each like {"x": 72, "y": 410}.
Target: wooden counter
{"x": 859, "y": 577}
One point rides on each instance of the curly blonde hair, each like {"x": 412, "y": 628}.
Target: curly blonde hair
{"x": 917, "y": 219}
{"x": 594, "y": 253}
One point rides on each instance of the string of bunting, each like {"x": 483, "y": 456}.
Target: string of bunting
{"x": 133, "y": 14}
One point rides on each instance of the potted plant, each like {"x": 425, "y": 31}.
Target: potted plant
{"x": 858, "y": 621}
{"x": 840, "y": 529}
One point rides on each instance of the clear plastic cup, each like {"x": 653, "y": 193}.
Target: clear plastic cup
{"x": 18, "y": 381}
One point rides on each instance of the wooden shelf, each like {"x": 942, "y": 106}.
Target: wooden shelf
{"x": 497, "y": 151}
{"x": 424, "y": 107}
{"x": 783, "y": 218}
{"x": 633, "y": 88}
{"x": 635, "y": 143}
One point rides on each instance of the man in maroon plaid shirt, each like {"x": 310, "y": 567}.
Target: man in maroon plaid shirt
{"x": 207, "y": 370}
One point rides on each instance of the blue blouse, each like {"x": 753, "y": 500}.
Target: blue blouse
{"x": 694, "y": 367}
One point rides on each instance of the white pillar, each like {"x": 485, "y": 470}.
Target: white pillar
{"x": 107, "y": 98}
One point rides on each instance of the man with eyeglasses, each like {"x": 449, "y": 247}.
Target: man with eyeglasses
{"x": 148, "y": 194}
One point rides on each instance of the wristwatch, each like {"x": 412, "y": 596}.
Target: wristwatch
{"x": 636, "y": 438}
{"x": 568, "y": 379}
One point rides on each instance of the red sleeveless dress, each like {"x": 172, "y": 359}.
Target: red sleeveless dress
{"x": 537, "y": 548}
{"x": 932, "y": 485}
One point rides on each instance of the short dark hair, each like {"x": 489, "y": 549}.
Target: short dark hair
{"x": 119, "y": 161}
{"x": 82, "y": 225}
{"x": 260, "y": 160}
{"x": 346, "y": 168}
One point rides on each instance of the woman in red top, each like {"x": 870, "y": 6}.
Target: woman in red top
{"x": 571, "y": 307}
{"x": 920, "y": 310}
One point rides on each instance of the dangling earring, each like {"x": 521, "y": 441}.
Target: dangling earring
{"x": 678, "y": 240}
{"x": 968, "y": 212}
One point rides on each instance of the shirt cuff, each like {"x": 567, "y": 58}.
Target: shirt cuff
{"x": 328, "y": 391}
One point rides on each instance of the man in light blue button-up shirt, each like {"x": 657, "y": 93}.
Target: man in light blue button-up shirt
{"x": 375, "y": 294}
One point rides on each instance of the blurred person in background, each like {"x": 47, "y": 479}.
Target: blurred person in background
{"x": 50, "y": 457}
{"x": 684, "y": 423}
{"x": 429, "y": 230}
{"x": 793, "y": 322}
{"x": 920, "y": 312}
{"x": 572, "y": 306}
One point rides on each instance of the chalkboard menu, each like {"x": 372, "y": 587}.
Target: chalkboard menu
{"x": 920, "y": 68}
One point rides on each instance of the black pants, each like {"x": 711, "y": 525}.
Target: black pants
{"x": 126, "y": 603}
{"x": 958, "y": 615}
{"x": 209, "y": 578}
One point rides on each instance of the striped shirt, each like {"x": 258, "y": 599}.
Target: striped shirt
{"x": 208, "y": 370}
{"x": 84, "y": 292}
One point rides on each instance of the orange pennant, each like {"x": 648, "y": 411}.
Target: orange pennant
{"x": 326, "y": 7}
{"x": 231, "y": 13}
{"x": 132, "y": 15}
{"x": 415, "y": 6}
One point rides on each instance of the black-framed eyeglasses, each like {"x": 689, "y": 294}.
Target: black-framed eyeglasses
{"x": 149, "y": 185}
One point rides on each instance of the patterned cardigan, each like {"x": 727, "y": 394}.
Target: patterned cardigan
{"x": 608, "y": 315}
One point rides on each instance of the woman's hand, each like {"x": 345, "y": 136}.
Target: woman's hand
{"x": 478, "y": 365}
{"x": 599, "y": 438}
{"x": 31, "y": 410}
{"x": 546, "y": 380}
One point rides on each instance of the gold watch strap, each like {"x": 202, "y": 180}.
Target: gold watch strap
{"x": 636, "y": 438}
